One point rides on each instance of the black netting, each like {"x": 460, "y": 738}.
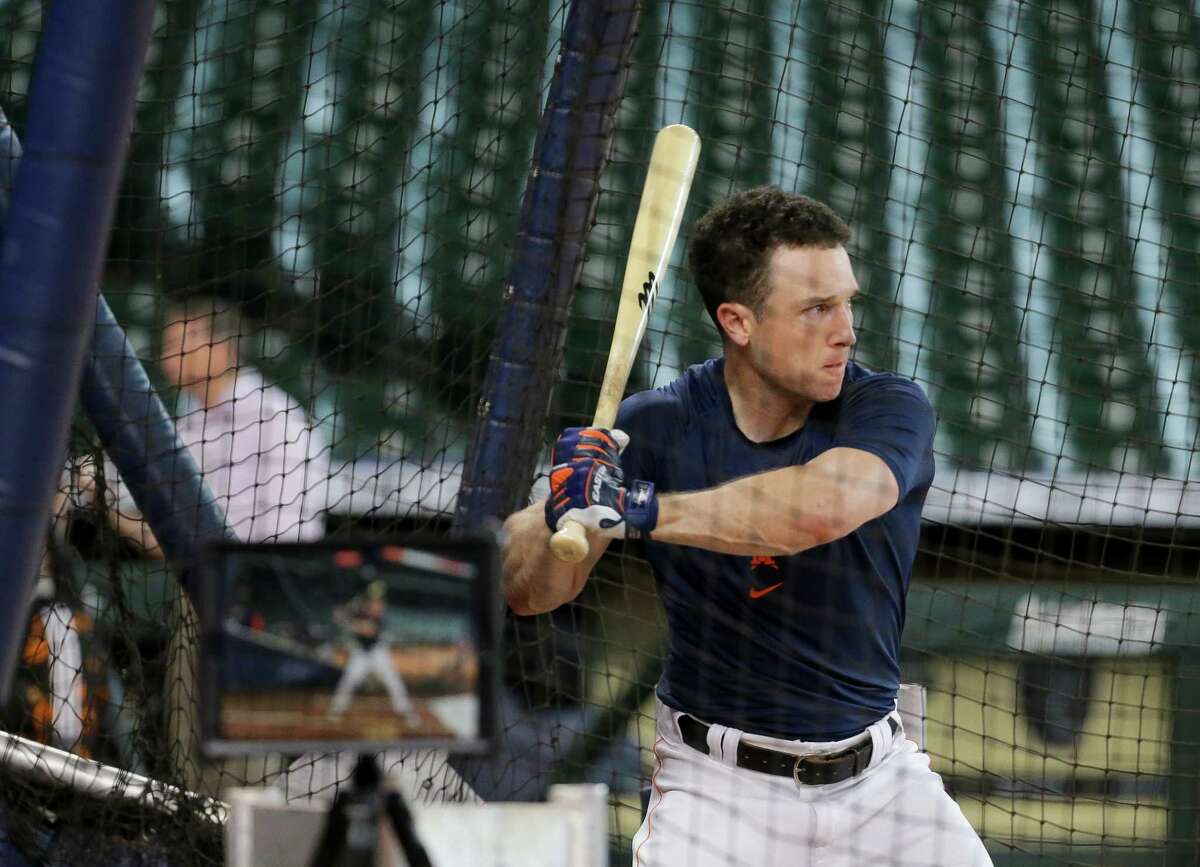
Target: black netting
{"x": 341, "y": 181}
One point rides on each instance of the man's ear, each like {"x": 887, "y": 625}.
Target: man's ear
{"x": 737, "y": 322}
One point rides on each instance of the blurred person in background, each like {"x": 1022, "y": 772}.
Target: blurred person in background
{"x": 266, "y": 465}
{"x": 258, "y": 451}
{"x": 62, "y": 682}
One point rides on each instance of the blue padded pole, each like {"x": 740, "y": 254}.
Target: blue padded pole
{"x": 80, "y": 112}
{"x": 133, "y": 424}
{"x": 140, "y": 437}
{"x": 10, "y": 156}
{"x": 556, "y": 216}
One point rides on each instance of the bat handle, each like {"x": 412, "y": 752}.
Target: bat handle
{"x": 570, "y": 543}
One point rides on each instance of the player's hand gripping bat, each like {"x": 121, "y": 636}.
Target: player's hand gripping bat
{"x": 668, "y": 180}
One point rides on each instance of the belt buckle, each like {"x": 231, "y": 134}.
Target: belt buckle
{"x": 821, "y": 767}
{"x": 816, "y": 765}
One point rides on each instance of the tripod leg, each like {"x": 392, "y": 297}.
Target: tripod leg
{"x": 333, "y": 837}
{"x": 406, "y": 834}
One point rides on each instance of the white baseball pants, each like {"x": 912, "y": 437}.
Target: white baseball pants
{"x": 360, "y": 665}
{"x": 706, "y": 812}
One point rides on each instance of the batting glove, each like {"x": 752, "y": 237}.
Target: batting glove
{"x": 587, "y": 486}
{"x": 579, "y": 443}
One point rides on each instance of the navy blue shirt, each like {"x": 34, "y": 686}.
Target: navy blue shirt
{"x": 805, "y": 646}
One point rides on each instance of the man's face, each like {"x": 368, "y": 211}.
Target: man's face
{"x": 188, "y": 355}
{"x": 801, "y": 341}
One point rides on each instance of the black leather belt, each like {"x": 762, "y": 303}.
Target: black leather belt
{"x": 817, "y": 770}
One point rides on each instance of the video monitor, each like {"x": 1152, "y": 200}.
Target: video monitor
{"x": 349, "y": 646}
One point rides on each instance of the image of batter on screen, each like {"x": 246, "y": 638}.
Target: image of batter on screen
{"x": 369, "y": 652}
{"x": 341, "y": 643}
{"x": 776, "y": 493}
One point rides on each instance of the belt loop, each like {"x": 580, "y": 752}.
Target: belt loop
{"x": 674, "y": 730}
{"x": 881, "y": 741}
{"x": 719, "y": 739}
{"x": 883, "y": 735}
{"x": 714, "y": 741}
{"x": 730, "y": 743}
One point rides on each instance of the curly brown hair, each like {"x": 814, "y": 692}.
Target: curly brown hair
{"x": 731, "y": 245}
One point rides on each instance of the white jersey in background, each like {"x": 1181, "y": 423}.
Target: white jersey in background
{"x": 261, "y": 457}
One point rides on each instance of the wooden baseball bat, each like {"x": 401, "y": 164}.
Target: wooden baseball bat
{"x": 664, "y": 195}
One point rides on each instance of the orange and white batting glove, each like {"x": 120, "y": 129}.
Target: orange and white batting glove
{"x": 587, "y": 486}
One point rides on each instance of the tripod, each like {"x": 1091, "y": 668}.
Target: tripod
{"x": 351, "y": 834}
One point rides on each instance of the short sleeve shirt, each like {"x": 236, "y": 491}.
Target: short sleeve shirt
{"x": 265, "y": 463}
{"x": 803, "y": 646}
{"x": 263, "y": 460}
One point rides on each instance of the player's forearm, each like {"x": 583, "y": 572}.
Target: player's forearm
{"x": 540, "y": 582}
{"x": 774, "y": 513}
{"x": 539, "y": 585}
{"x": 535, "y": 581}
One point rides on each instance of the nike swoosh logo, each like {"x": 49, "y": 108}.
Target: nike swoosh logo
{"x": 755, "y": 593}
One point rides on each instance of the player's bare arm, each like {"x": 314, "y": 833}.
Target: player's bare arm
{"x": 784, "y": 511}
{"x": 535, "y": 581}
{"x": 779, "y": 512}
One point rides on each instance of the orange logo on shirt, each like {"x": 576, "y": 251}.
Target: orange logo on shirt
{"x": 755, "y": 593}
{"x": 755, "y": 563}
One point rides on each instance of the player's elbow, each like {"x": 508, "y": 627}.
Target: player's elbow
{"x": 812, "y": 531}
{"x": 836, "y": 525}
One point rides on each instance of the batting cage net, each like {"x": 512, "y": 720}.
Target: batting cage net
{"x": 325, "y": 197}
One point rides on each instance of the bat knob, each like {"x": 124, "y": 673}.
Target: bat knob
{"x": 570, "y": 544}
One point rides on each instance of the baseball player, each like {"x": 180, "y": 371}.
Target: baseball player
{"x": 369, "y": 653}
{"x": 777, "y": 491}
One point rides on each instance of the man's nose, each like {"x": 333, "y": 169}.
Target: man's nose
{"x": 843, "y": 332}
